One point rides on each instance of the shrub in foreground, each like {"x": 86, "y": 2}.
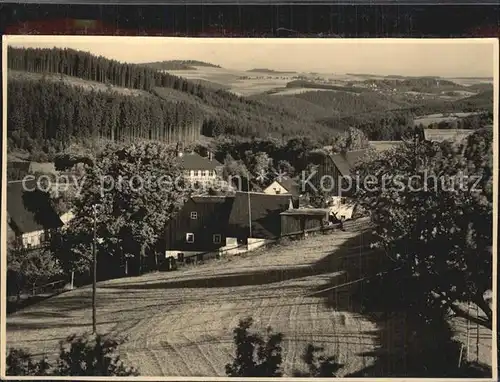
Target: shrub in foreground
{"x": 87, "y": 355}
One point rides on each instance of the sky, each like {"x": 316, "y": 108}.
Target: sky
{"x": 409, "y": 57}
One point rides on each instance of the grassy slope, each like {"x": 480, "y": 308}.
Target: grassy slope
{"x": 180, "y": 323}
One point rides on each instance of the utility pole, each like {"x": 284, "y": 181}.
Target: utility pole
{"x": 94, "y": 268}
{"x": 477, "y": 333}
{"x": 468, "y": 332}
{"x": 249, "y": 208}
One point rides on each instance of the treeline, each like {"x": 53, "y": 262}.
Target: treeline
{"x": 470, "y": 122}
{"x": 294, "y": 151}
{"x": 96, "y": 68}
{"x": 377, "y": 126}
{"x": 479, "y": 102}
{"x": 223, "y": 112}
{"x": 49, "y": 115}
{"x": 345, "y": 103}
{"x": 179, "y": 65}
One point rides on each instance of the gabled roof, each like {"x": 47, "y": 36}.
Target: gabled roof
{"x": 42, "y": 167}
{"x": 194, "y": 161}
{"x": 345, "y": 162}
{"x": 265, "y": 212}
{"x": 290, "y": 185}
{"x": 385, "y": 145}
{"x": 30, "y": 211}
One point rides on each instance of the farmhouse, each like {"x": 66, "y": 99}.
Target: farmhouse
{"x": 199, "y": 169}
{"x": 283, "y": 186}
{"x": 331, "y": 171}
{"x": 200, "y": 227}
{"x": 30, "y": 215}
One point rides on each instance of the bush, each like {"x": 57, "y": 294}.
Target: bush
{"x": 92, "y": 355}
{"x": 20, "y": 363}
{"x": 87, "y": 355}
{"x": 320, "y": 365}
{"x": 255, "y": 356}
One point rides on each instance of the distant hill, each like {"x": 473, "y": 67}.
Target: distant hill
{"x": 179, "y": 65}
{"x": 91, "y": 97}
{"x": 482, "y": 87}
{"x": 417, "y": 84}
{"x": 270, "y": 71}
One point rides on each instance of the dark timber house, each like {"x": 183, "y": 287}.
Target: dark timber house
{"x": 200, "y": 227}
{"x": 334, "y": 167}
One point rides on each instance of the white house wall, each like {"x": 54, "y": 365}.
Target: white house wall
{"x": 275, "y": 186}
{"x": 32, "y": 239}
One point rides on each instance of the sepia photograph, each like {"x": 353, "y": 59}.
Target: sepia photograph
{"x": 218, "y": 208}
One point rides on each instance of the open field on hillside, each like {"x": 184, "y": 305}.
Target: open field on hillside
{"x": 426, "y": 120}
{"x": 299, "y": 91}
{"x": 471, "y": 81}
{"x": 180, "y": 323}
{"x": 238, "y": 82}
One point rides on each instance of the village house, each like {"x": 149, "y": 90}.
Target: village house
{"x": 331, "y": 169}
{"x": 30, "y": 216}
{"x": 199, "y": 228}
{"x": 283, "y": 186}
{"x": 211, "y": 225}
{"x": 204, "y": 170}
{"x": 336, "y": 168}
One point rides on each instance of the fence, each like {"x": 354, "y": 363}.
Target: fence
{"x": 24, "y": 297}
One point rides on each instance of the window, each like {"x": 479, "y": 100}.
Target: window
{"x": 194, "y": 215}
{"x": 343, "y": 201}
{"x": 189, "y": 237}
{"x": 217, "y": 238}
{"x": 211, "y": 173}
{"x": 277, "y": 191}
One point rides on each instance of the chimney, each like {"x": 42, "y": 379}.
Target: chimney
{"x": 210, "y": 156}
